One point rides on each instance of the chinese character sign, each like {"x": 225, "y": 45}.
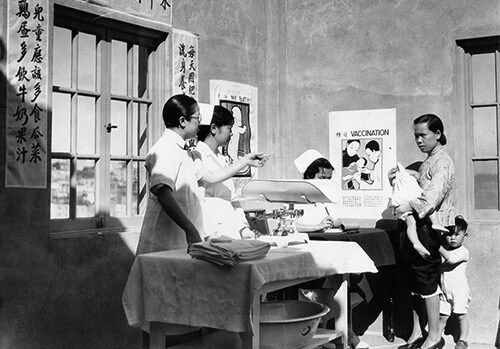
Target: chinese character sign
{"x": 185, "y": 62}
{"x": 158, "y": 10}
{"x": 362, "y": 151}
{"x": 27, "y": 73}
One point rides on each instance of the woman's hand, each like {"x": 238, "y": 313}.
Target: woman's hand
{"x": 414, "y": 174}
{"x": 256, "y": 159}
{"x": 327, "y": 222}
{"x": 403, "y": 208}
{"x": 392, "y": 174}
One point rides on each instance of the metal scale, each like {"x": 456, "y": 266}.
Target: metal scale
{"x": 290, "y": 192}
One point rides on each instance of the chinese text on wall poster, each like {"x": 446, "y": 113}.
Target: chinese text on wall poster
{"x": 185, "y": 64}
{"x": 27, "y": 69}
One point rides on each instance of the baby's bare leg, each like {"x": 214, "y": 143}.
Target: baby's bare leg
{"x": 436, "y": 225}
{"x": 411, "y": 231}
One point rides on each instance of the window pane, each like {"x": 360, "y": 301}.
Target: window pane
{"x": 85, "y": 125}
{"x": 61, "y": 122}
{"x": 59, "y": 203}
{"x": 140, "y": 71}
{"x": 118, "y": 189}
{"x": 139, "y": 129}
{"x": 483, "y": 78}
{"x": 139, "y": 188}
{"x": 485, "y": 131}
{"x": 118, "y": 67}
{"x": 62, "y": 57}
{"x": 86, "y": 61}
{"x": 119, "y": 134}
{"x": 85, "y": 188}
{"x": 486, "y": 185}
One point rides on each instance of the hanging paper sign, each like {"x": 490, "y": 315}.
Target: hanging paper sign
{"x": 185, "y": 62}
{"x": 362, "y": 151}
{"x": 27, "y": 93}
{"x": 241, "y": 100}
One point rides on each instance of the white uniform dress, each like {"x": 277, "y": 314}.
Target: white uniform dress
{"x": 219, "y": 214}
{"x": 169, "y": 164}
{"x": 456, "y": 293}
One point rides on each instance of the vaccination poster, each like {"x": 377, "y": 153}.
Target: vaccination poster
{"x": 363, "y": 150}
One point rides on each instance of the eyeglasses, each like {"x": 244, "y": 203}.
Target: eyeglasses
{"x": 196, "y": 117}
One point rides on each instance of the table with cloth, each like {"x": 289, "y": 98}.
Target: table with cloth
{"x": 388, "y": 285}
{"x": 171, "y": 287}
{"x": 375, "y": 242}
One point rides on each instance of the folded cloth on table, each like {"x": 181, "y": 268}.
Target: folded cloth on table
{"x": 226, "y": 251}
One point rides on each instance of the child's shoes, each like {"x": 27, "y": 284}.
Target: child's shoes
{"x": 460, "y": 344}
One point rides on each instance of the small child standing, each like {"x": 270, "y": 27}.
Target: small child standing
{"x": 456, "y": 293}
{"x": 406, "y": 189}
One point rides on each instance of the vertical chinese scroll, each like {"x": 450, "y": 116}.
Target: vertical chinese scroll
{"x": 185, "y": 62}
{"x": 27, "y": 94}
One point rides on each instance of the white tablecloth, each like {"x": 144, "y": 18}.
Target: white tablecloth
{"x": 172, "y": 287}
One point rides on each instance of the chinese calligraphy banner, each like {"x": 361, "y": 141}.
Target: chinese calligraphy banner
{"x": 27, "y": 93}
{"x": 185, "y": 62}
{"x": 362, "y": 151}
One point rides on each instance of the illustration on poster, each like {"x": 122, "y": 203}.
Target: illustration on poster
{"x": 362, "y": 164}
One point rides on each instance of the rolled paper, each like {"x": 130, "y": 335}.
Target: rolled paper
{"x": 347, "y": 227}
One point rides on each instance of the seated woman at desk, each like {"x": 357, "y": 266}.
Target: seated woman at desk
{"x": 317, "y": 217}
{"x": 222, "y": 214}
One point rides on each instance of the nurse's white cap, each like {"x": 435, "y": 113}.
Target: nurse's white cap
{"x": 307, "y": 157}
{"x": 206, "y": 111}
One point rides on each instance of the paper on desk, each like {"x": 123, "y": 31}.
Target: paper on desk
{"x": 283, "y": 241}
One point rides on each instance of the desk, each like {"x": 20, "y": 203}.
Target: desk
{"x": 375, "y": 242}
{"x": 171, "y": 287}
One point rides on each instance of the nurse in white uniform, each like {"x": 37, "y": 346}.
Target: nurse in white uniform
{"x": 174, "y": 215}
{"x": 312, "y": 165}
{"x": 222, "y": 213}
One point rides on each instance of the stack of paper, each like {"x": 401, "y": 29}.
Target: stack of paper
{"x": 224, "y": 251}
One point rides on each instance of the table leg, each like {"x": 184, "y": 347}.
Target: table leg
{"x": 249, "y": 341}
{"x": 157, "y": 333}
{"x": 342, "y": 299}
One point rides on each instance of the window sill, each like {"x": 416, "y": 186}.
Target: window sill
{"x": 94, "y": 233}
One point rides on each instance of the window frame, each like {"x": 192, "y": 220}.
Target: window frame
{"x": 466, "y": 48}
{"x": 117, "y": 28}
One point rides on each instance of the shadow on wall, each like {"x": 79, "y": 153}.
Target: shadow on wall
{"x": 63, "y": 293}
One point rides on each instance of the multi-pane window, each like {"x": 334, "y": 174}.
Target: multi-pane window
{"x": 102, "y": 99}
{"x": 482, "y": 94}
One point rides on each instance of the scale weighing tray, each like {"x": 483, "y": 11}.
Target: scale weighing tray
{"x": 292, "y": 191}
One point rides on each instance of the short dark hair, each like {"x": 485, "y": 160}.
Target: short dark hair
{"x": 315, "y": 166}
{"x": 221, "y": 117}
{"x": 434, "y": 124}
{"x": 461, "y": 223}
{"x": 177, "y": 106}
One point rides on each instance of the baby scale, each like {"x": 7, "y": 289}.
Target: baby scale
{"x": 289, "y": 192}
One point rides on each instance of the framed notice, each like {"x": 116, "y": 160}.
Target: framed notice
{"x": 362, "y": 151}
